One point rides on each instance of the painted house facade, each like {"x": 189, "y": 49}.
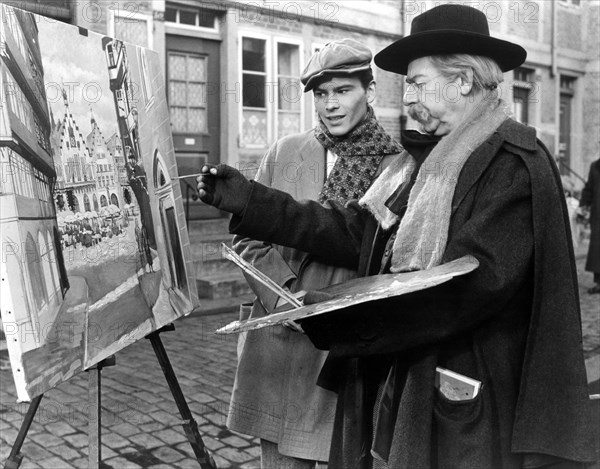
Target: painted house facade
{"x": 31, "y": 246}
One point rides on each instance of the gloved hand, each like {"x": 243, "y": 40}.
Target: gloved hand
{"x": 224, "y": 187}
{"x": 314, "y": 296}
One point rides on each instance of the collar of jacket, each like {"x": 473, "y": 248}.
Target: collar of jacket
{"x": 516, "y": 137}
{"x": 513, "y": 136}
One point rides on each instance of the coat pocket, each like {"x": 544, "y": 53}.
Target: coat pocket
{"x": 462, "y": 433}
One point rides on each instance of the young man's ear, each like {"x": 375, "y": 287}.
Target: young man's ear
{"x": 371, "y": 92}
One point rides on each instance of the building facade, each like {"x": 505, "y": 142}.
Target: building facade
{"x": 88, "y": 175}
{"x": 232, "y": 68}
{"x": 31, "y": 246}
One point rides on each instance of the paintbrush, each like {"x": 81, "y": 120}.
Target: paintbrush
{"x": 189, "y": 176}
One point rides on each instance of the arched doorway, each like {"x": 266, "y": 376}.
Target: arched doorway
{"x": 36, "y": 277}
{"x": 114, "y": 200}
{"x": 95, "y": 199}
{"x": 103, "y": 201}
{"x": 76, "y": 207}
{"x": 164, "y": 192}
{"x": 86, "y": 203}
{"x": 126, "y": 196}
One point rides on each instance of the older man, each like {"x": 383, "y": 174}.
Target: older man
{"x": 483, "y": 185}
{"x": 275, "y": 396}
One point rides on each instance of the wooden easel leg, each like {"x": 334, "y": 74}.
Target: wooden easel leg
{"x": 94, "y": 418}
{"x": 189, "y": 424}
{"x": 95, "y": 412}
{"x": 15, "y": 457}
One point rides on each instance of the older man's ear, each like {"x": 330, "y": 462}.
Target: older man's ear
{"x": 465, "y": 83}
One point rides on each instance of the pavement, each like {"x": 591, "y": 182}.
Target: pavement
{"x": 141, "y": 426}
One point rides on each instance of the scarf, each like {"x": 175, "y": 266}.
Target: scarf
{"x": 359, "y": 154}
{"x": 423, "y": 231}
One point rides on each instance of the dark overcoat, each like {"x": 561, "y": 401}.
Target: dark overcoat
{"x": 590, "y": 197}
{"x": 512, "y": 324}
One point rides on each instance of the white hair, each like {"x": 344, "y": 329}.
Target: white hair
{"x": 486, "y": 72}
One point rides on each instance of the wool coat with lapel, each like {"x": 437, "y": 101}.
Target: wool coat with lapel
{"x": 275, "y": 396}
{"x": 513, "y": 323}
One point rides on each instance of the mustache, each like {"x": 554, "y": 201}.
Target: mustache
{"x": 419, "y": 113}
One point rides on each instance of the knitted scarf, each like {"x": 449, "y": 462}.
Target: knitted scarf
{"x": 423, "y": 231}
{"x": 359, "y": 154}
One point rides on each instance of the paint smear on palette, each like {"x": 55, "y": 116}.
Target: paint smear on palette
{"x": 360, "y": 290}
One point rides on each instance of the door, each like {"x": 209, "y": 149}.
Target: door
{"x": 564, "y": 148}
{"x": 193, "y": 77}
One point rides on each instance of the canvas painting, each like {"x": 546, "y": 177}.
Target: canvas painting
{"x": 95, "y": 250}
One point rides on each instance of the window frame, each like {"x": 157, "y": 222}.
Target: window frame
{"x": 170, "y": 79}
{"x": 125, "y": 15}
{"x": 215, "y": 29}
{"x": 295, "y": 42}
{"x": 271, "y": 82}
{"x": 524, "y": 85}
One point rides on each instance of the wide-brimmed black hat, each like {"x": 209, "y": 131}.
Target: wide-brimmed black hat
{"x": 449, "y": 29}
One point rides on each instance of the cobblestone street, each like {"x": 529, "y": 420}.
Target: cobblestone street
{"x": 140, "y": 421}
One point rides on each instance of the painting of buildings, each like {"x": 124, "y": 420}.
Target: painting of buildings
{"x": 94, "y": 240}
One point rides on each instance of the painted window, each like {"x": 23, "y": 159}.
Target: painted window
{"x": 46, "y": 261}
{"x": 145, "y": 77}
{"x": 34, "y": 267}
{"x": 18, "y": 102}
{"x": 15, "y": 29}
{"x": 21, "y": 173}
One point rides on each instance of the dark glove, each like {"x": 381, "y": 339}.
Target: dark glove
{"x": 313, "y": 296}
{"x": 224, "y": 187}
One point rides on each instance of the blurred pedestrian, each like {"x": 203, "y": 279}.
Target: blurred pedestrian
{"x": 590, "y": 199}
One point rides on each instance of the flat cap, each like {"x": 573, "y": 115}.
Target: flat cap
{"x": 342, "y": 56}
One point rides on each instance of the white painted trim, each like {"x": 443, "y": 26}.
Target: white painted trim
{"x": 296, "y": 41}
{"x": 254, "y": 35}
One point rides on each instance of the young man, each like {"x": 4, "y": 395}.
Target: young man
{"x": 275, "y": 397}
{"x": 489, "y": 189}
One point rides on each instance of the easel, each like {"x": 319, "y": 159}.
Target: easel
{"x": 190, "y": 426}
